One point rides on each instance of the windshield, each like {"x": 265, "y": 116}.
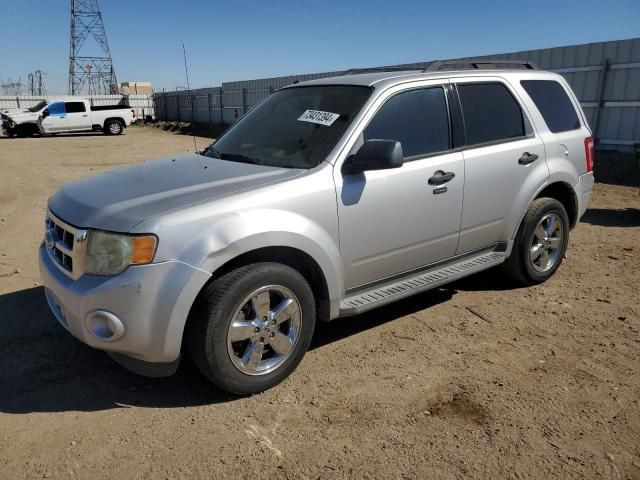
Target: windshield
{"x": 293, "y": 128}
{"x": 38, "y": 107}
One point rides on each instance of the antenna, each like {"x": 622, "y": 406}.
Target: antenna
{"x": 186, "y": 72}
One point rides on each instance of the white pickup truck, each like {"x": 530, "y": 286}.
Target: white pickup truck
{"x": 66, "y": 115}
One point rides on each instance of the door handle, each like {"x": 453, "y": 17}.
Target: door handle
{"x": 440, "y": 177}
{"x": 527, "y": 158}
{"x": 85, "y": 115}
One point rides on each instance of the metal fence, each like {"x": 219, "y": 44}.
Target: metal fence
{"x": 143, "y": 104}
{"x": 605, "y": 77}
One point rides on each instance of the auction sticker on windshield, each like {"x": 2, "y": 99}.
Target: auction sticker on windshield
{"x": 319, "y": 117}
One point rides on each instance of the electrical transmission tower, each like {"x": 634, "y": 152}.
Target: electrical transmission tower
{"x": 12, "y": 88}
{"x": 94, "y": 71}
{"x": 36, "y": 84}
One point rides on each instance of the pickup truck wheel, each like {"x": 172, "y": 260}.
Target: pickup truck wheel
{"x": 22, "y": 131}
{"x": 113, "y": 127}
{"x": 540, "y": 243}
{"x": 250, "y": 328}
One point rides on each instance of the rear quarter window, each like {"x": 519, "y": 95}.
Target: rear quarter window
{"x": 554, "y": 104}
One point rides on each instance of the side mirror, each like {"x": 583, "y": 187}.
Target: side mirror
{"x": 45, "y": 113}
{"x": 376, "y": 155}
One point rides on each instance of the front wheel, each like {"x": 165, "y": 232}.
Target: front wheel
{"x": 250, "y": 328}
{"x": 113, "y": 127}
{"x": 540, "y": 243}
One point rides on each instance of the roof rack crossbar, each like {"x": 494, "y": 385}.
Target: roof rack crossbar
{"x": 475, "y": 64}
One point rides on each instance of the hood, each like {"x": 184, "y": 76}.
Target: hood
{"x": 120, "y": 199}
{"x": 22, "y": 116}
{"x": 11, "y": 111}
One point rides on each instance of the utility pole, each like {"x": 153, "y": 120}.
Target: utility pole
{"x": 95, "y": 72}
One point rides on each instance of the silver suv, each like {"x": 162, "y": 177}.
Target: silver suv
{"x": 329, "y": 198}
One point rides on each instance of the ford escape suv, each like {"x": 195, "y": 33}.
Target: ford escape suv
{"x": 329, "y": 198}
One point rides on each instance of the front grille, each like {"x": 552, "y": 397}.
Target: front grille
{"x": 64, "y": 245}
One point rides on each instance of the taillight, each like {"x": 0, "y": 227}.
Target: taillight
{"x": 589, "y": 153}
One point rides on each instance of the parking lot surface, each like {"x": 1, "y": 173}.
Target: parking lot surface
{"x": 475, "y": 380}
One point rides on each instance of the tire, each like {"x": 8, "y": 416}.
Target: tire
{"x": 22, "y": 131}
{"x": 113, "y": 127}
{"x": 219, "y": 349}
{"x": 540, "y": 244}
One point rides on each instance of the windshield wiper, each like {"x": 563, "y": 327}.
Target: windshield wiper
{"x": 212, "y": 149}
{"x": 237, "y": 157}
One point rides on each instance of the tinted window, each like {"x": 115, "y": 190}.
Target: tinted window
{"x": 56, "y": 109}
{"x": 490, "y": 113}
{"x": 554, "y": 104}
{"x": 418, "y": 119}
{"x": 74, "y": 107}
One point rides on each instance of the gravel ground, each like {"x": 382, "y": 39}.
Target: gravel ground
{"x": 540, "y": 382}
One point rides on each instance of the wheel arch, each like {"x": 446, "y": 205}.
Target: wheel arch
{"x": 566, "y": 195}
{"x": 293, "y": 257}
{"x": 114, "y": 119}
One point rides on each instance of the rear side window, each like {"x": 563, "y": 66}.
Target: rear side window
{"x": 554, "y": 104}
{"x": 490, "y": 113}
{"x": 418, "y": 119}
{"x": 74, "y": 107}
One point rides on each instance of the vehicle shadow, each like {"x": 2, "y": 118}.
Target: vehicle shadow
{"x": 56, "y": 135}
{"x": 610, "y": 217}
{"x": 45, "y": 369}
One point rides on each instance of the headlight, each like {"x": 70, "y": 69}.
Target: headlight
{"x": 111, "y": 253}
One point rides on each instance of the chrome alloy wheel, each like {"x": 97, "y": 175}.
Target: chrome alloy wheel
{"x": 264, "y": 330}
{"x": 546, "y": 244}
{"x": 115, "y": 128}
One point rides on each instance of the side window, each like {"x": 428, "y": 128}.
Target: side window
{"x": 418, "y": 119}
{"x": 56, "y": 109}
{"x": 490, "y": 113}
{"x": 74, "y": 107}
{"x": 554, "y": 104}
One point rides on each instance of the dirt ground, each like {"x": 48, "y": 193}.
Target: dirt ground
{"x": 547, "y": 385}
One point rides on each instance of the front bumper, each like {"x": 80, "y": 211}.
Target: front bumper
{"x": 151, "y": 302}
{"x": 8, "y": 128}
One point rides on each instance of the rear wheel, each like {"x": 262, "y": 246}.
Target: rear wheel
{"x": 250, "y": 328}
{"x": 540, "y": 243}
{"x": 113, "y": 127}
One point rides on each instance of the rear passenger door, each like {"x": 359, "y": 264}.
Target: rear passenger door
{"x": 77, "y": 116}
{"x": 504, "y": 162}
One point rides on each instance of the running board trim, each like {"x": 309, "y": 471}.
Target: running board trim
{"x": 379, "y": 295}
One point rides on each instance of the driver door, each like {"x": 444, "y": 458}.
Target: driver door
{"x": 396, "y": 220}
{"x": 56, "y": 121}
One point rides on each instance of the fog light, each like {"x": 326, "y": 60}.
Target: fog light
{"x": 105, "y": 326}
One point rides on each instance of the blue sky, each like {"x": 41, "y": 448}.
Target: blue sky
{"x": 243, "y": 39}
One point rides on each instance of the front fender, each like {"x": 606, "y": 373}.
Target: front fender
{"x": 245, "y": 232}
{"x": 212, "y": 242}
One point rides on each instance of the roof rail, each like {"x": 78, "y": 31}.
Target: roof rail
{"x": 355, "y": 71}
{"x": 475, "y": 64}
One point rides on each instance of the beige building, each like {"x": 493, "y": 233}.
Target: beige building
{"x": 138, "y": 88}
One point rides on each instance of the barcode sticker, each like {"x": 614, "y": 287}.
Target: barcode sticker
{"x": 321, "y": 118}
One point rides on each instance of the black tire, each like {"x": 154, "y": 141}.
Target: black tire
{"x": 22, "y": 131}
{"x": 519, "y": 265}
{"x": 211, "y": 318}
{"x": 113, "y": 127}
